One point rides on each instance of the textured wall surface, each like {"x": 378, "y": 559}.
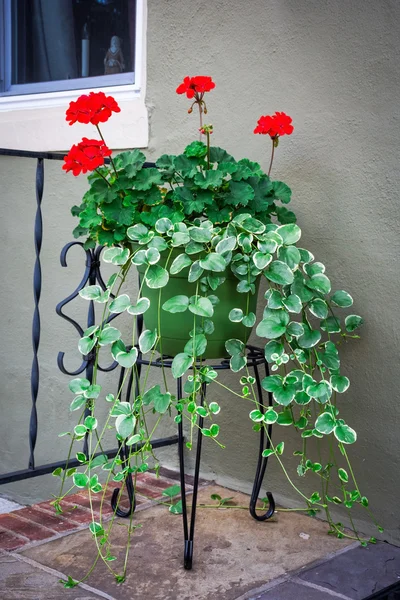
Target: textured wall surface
{"x": 334, "y": 66}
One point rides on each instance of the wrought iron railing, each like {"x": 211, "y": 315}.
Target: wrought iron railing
{"x": 92, "y": 275}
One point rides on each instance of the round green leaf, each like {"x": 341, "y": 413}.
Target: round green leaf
{"x": 249, "y": 320}
{"x": 127, "y": 359}
{"x": 86, "y": 344}
{"x": 79, "y": 385}
{"x": 77, "y": 402}
{"x": 163, "y": 225}
{"x": 176, "y": 304}
{"x": 352, "y": 322}
{"x": 343, "y": 476}
{"x": 342, "y": 298}
{"x": 261, "y": 260}
{"x": 278, "y": 272}
{"x": 318, "y": 308}
{"x": 91, "y": 292}
{"x": 142, "y": 305}
{"x": 256, "y": 416}
{"x": 340, "y": 383}
{"x": 320, "y": 283}
{"x": 274, "y": 325}
{"x": 80, "y": 480}
{"x": 292, "y": 303}
{"x": 237, "y": 362}
{"x": 295, "y": 329}
{"x": 345, "y": 434}
{"x": 290, "y": 233}
{"x": 213, "y": 262}
{"x": 125, "y": 424}
{"x": 290, "y": 255}
{"x": 236, "y": 315}
{"x": 310, "y": 338}
{"x": 109, "y": 335}
{"x": 156, "y": 277}
{"x": 181, "y": 363}
{"x": 152, "y": 256}
{"x": 234, "y": 347}
{"x": 180, "y": 262}
{"x": 271, "y": 348}
{"x": 226, "y": 245}
{"x": 201, "y": 306}
{"x": 285, "y": 394}
{"x": 120, "y": 304}
{"x": 272, "y": 383}
{"x": 325, "y": 423}
{"x": 147, "y": 340}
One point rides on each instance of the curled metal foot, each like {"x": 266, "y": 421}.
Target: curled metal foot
{"x": 253, "y": 508}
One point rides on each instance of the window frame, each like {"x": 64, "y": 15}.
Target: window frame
{"x": 31, "y": 95}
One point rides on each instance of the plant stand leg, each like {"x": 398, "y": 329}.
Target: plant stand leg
{"x": 188, "y": 529}
{"x": 262, "y": 461}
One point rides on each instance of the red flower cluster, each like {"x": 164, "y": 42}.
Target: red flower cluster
{"x": 192, "y": 86}
{"x": 94, "y": 108}
{"x": 86, "y": 156}
{"x": 275, "y": 125}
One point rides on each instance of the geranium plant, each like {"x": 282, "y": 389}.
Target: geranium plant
{"x": 214, "y": 223}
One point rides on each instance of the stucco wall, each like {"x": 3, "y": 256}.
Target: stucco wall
{"x": 334, "y": 67}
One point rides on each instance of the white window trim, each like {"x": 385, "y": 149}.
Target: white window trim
{"x": 37, "y": 121}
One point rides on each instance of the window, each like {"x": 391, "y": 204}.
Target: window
{"x": 53, "y": 45}
{"x": 51, "y": 51}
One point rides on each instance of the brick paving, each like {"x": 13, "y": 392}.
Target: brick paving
{"x": 40, "y": 522}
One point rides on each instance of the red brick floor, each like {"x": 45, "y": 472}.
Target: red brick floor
{"x": 40, "y": 522}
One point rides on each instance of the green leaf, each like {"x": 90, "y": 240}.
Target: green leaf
{"x": 261, "y": 260}
{"x": 268, "y": 452}
{"x": 125, "y": 424}
{"x": 253, "y": 225}
{"x": 195, "y": 272}
{"x": 208, "y": 179}
{"x": 156, "y": 277}
{"x": 310, "y": 338}
{"x": 345, "y": 434}
{"x": 80, "y": 430}
{"x": 340, "y": 383}
{"x": 256, "y": 416}
{"x": 214, "y": 429}
{"x": 352, "y": 322}
{"x": 146, "y": 178}
{"x": 201, "y": 306}
{"x": 290, "y": 255}
{"x": 249, "y": 320}
{"x": 121, "y": 408}
{"x": 226, "y": 245}
{"x": 197, "y": 149}
{"x": 236, "y": 315}
{"x": 279, "y": 448}
{"x": 116, "y": 256}
{"x": 79, "y": 385}
{"x": 271, "y": 348}
{"x": 213, "y": 262}
{"x": 142, "y": 305}
{"x": 281, "y": 191}
{"x": 237, "y": 362}
{"x": 127, "y": 359}
{"x": 343, "y": 476}
{"x": 342, "y": 298}
{"x": 173, "y": 490}
{"x": 163, "y": 225}
{"x": 91, "y": 292}
{"x": 120, "y": 304}
{"x": 86, "y": 344}
{"x": 109, "y": 335}
{"x": 80, "y": 480}
{"x": 325, "y": 423}
{"x": 330, "y": 324}
{"x": 270, "y": 416}
{"x": 135, "y": 439}
{"x": 234, "y": 347}
{"x": 197, "y": 345}
{"x": 161, "y": 402}
{"x": 290, "y": 233}
{"x": 240, "y": 193}
{"x": 318, "y": 308}
{"x": 180, "y": 262}
{"x": 180, "y": 238}
{"x": 274, "y": 325}
{"x": 320, "y": 283}
{"x": 147, "y": 340}
{"x": 77, "y": 402}
{"x": 200, "y": 234}
{"x": 321, "y": 390}
{"x": 295, "y": 329}
{"x": 176, "y": 304}
{"x": 292, "y": 303}
{"x": 279, "y": 272}
{"x": 181, "y": 363}
{"x": 176, "y": 509}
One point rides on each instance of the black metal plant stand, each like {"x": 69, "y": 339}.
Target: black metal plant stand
{"x": 255, "y": 359}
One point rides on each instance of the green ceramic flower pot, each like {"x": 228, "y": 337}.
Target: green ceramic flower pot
{"x": 175, "y": 327}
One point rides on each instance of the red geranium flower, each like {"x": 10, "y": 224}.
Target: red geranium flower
{"x": 195, "y": 85}
{"x": 94, "y": 108}
{"x": 275, "y": 125}
{"x": 88, "y": 155}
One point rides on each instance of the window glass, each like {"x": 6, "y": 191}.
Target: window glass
{"x": 55, "y": 40}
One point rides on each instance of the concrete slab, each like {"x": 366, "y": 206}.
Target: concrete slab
{"x": 359, "y": 572}
{"x": 289, "y": 590}
{"x": 7, "y": 506}
{"x": 233, "y": 554}
{"x": 22, "y": 581}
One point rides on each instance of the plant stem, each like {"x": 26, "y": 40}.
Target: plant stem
{"x": 111, "y": 160}
{"x": 272, "y": 156}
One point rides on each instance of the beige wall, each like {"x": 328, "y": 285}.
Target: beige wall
{"x": 334, "y": 67}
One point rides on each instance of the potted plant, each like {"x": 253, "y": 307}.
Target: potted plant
{"x": 203, "y": 229}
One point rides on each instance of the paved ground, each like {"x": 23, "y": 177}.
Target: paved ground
{"x": 235, "y": 558}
